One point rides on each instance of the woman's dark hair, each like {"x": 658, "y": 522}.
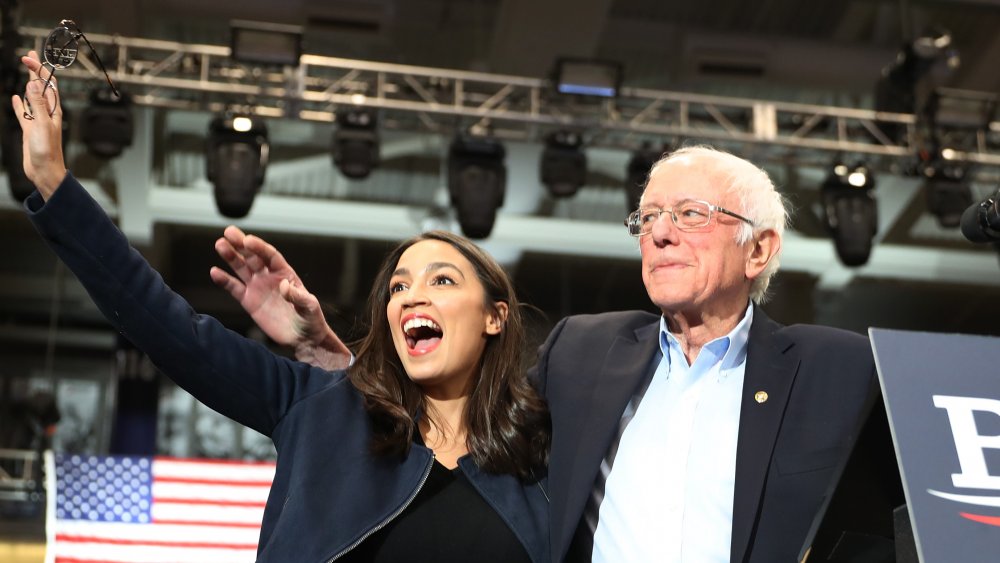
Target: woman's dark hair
{"x": 507, "y": 423}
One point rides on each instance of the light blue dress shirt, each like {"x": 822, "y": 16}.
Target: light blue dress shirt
{"x": 669, "y": 494}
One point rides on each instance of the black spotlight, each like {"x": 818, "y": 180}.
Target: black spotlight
{"x": 927, "y": 58}
{"x": 851, "y": 212}
{"x": 477, "y": 179}
{"x": 236, "y": 158}
{"x": 106, "y": 124}
{"x": 355, "y": 143}
{"x": 946, "y": 189}
{"x": 637, "y": 173}
{"x": 564, "y": 165}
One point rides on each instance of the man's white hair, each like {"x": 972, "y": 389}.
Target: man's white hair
{"x": 759, "y": 201}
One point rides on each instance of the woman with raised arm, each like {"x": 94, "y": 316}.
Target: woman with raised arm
{"x": 430, "y": 447}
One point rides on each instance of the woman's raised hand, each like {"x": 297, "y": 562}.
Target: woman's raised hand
{"x": 41, "y": 128}
{"x": 268, "y": 288}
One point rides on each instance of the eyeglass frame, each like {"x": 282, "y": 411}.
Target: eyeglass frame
{"x": 673, "y": 216}
{"x": 77, "y": 34}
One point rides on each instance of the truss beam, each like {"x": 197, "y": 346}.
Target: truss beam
{"x": 203, "y": 77}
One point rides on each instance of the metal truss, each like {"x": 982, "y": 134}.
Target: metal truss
{"x": 176, "y": 75}
{"x": 17, "y": 475}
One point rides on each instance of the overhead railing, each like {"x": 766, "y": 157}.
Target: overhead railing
{"x": 178, "y": 75}
{"x": 18, "y": 475}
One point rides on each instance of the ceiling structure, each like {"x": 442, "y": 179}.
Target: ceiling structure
{"x": 818, "y": 52}
{"x": 817, "y": 58}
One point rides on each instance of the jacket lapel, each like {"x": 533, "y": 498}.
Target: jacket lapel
{"x": 771, "y": 367}
{"x": 626, "y": 364}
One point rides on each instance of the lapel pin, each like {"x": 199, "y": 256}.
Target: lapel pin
{"x": 760, "y": 396}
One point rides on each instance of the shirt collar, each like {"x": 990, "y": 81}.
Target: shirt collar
{"x": 732, "y": 347}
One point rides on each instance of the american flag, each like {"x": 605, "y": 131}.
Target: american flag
{"x": 154, "y": 510}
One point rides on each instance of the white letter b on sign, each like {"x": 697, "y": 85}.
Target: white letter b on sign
{"x": 969, "y": 443}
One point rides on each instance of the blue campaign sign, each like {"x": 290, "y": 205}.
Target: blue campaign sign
{"x": 942, "y": 395}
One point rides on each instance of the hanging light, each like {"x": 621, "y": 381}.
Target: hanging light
{"x": 477, "y": 179}
{"x": 563, "y": 167}
{"x": 236, "y": 158}
{"x": 850, "y": 211}
{"x": 355, "y": 147}
{"x": 106, "y": 125}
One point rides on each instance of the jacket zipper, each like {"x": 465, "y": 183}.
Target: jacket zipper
{"x": 391, "y": 517}
{"x": 540, "y": 487}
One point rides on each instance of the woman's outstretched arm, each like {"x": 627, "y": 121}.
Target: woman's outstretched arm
{"x": 233, "y": 375}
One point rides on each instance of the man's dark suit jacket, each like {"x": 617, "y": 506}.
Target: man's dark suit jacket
{"x": 818, "y": 382}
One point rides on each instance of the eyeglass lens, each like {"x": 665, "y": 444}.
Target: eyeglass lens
{"x": 51, "y": 97}
{"x": 686, "y": 215}
{"x": 691, "y": 214}
{"x": 61, "y": 47}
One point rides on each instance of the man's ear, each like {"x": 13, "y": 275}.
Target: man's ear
{"x": 496, "y": 318}
{"x": 765, "y": 246}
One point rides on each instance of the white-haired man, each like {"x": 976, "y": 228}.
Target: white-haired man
{"x": 708, "y": 433}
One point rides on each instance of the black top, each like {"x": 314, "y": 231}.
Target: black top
{"x": 447, "y": 521}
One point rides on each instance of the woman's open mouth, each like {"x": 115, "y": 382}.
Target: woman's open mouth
{"x": 422, "y": 334}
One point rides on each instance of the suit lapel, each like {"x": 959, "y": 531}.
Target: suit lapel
{"x": 771, "y": 367}
{"x": 625, "y": 365}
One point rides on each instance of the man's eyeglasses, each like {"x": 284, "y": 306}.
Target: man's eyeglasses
{"x": 59, "y": 51}
{"x": 688, "y": 214}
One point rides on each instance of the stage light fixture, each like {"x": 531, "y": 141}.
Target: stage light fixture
{"x": 477, "y": 179}
{"x": 236, "y": 157}
{"x": 355, "y": 149}
{"x": 946, "y": 189}
{"x": 904, "y": 84}
{"x": 936, "y": 43}
{"x": 106, "y": 125}
{"x": 850, "y": 211}
{"x": 637, "y": 174}
{"x": 588, "y": 77}
{"x": 563, "y": 167}
{"x": 265, "y": 43}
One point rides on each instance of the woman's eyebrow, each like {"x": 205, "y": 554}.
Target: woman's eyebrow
{"x": 434, "y": 266}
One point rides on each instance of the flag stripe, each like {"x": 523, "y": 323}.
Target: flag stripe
{"x": 199, "y": 532}
{"x": 143, "y": 554}
{"x": 188, "y": 501}
{"x": 228, "y": 482}
{"x": 215, "y": 462}
{"x": 221, "y": 524}
{"x": 217, "y": 492}
{"x": 206, "y": 513}
{"x": 152, "y": 543}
